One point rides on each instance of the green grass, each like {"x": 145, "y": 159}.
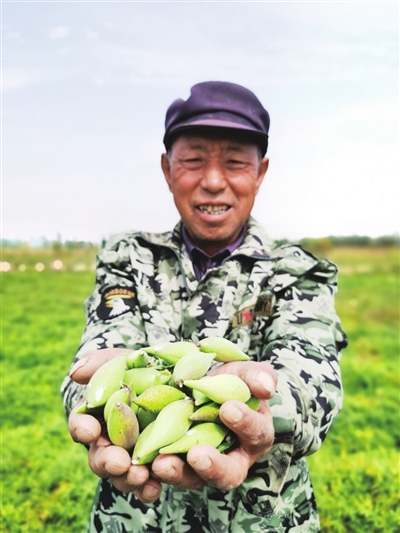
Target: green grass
{"x": 356, "y": 472}
{"x": 46, "y": 483}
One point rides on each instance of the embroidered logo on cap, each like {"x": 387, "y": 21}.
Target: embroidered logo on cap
{"x": 116, "y": 302}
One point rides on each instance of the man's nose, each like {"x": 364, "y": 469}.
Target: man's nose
{"x": 213, "y": 177}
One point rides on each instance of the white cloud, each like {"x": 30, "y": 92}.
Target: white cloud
{"x": 59, "y": 33}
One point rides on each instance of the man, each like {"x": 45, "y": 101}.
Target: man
{"x": 216, "y": 273}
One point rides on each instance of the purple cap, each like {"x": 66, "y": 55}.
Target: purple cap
{"x": 219, "y": 104}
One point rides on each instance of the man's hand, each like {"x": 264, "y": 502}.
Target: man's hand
{"x": 254, "y": 429}
{"x": 105, "y": 459}
{"x": 204, "y": 463}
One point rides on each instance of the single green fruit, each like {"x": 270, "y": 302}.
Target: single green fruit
{"x": 173, "y": 351}
{"x": 122, "y": 395}
{"x": 122, "y": 426}
{"x": 105, "y": 381}
{"x": 193, "y": 365}
{"x": 221, "y": 388}
{"x": 138, "y": 359}
{"x": 157, "y": 397}
{"x": 151, "y": 350}
{"x": 253, "y": 403}
{"x": 140, "y": 379}
{"x": 143, "y": 435}
{"x": 208, "y": 412}
{"x": 224, "y": 349}
{"x": 171, "y": 423}
{"x": 204, "y": 433}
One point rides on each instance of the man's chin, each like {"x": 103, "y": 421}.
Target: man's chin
{"x": 212, "y": 241}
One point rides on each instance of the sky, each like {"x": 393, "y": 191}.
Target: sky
{"x": 86, "y": 85}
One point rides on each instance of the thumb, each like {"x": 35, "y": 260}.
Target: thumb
{"x": 84, "y": 368}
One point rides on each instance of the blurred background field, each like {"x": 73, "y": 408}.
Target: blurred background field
{"x": 46, "y": 484}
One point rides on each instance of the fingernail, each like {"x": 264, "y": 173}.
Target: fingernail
{"x": 149, "y": 492}
{"x": 233, "y": 415}
{"x": 83, "y": 435}
{"x": 266, "y": 382}
{"x": 202, "y": 463}
{"x": 169, "y": 473}
{"x": 77, "y": 365}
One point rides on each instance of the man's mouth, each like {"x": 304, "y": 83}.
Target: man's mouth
{"x": 213, "y": 209}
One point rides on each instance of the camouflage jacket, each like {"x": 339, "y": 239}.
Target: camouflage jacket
{"x": 277, "y": 304}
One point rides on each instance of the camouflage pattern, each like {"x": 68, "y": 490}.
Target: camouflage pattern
{"x": 277, "y": 304}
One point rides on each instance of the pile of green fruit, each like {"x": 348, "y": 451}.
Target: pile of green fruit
{"x": 159, "y": 400}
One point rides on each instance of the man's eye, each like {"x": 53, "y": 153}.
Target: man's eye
{"x": 192, "y": 162}
{"x": 236, "y": 162}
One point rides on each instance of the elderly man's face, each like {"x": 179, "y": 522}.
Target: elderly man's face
{"x": 214, "y": 182}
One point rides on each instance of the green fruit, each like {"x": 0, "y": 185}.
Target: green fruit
{"x": 224, "y": 349}
{"x": 205, "y": 433}
{"x": 171, "y": 423}
{"x": 200, "y": 398}
{"x": 105, "y": 381}
{"x": 253, "y": 403}
{"x": 140, "y": 379}
{"x": 138, "y": 359}
{"x": 84, "y": 409}
{"x": 157, "y": 397}
{"x": 122, "y": 395}
{"x": 206, "y": 413}
{"x": 151, "y": 350}
{"x": 221, "y": 388}
{"x": 229, "y": 442}
{"x": 143, "y": 436}
{"x": 122, "y": 426}
{"x": 193, "y": 365}
{"x": 173, "y": 351}
{"x": 145, "y": 418}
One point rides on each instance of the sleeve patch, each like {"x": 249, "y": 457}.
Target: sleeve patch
{"x": 116, "y": 301}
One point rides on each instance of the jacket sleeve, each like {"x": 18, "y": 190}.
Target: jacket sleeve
{"x": 114, "y": 275}
{"x": 303, "y": 345}
{"x": 302, "y": 342}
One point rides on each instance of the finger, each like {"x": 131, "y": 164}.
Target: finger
{"x": 83, "y": 428}
{"x": 255, "y": 429}
{"x": 224, "y": 472}
{"x": 107, "y": 460}
{"x": 133, "y": 480}
{"x": 150, "y": 492}
{"x": 171, "y": 469}
{"x": 260, "y": 377}
{"x": 83, "y": 370}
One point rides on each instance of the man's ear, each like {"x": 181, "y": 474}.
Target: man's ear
{"x": 262, "y": 170}
{"x": 166, "y": 168}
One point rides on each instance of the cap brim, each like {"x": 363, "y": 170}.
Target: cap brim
{"x": 212, "y": 123}
{"x": 216, "y": 124}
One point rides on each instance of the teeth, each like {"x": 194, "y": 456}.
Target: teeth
{"x": 213, "y": 209}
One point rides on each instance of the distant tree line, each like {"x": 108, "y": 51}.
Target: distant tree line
{"x": 308, "y": 242}
{"x": 47, "y": 244}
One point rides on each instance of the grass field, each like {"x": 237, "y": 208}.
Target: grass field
{"x": 46, "y": 484}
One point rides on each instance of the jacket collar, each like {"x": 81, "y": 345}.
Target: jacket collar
{"x": 255, "y": 244}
